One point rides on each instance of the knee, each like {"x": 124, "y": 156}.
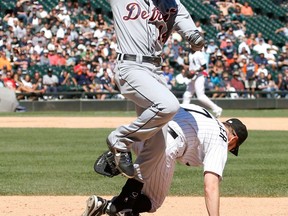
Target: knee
{"x": 170, "y": 109}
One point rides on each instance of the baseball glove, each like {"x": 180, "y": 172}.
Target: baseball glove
{"x": 190, "y": 74}
{"x": 105, "y": 165}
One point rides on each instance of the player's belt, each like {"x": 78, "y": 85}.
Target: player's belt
{"x": 172, "y": 132}
{"x": 148, "y": 59}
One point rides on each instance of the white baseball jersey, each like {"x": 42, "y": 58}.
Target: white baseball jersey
{"x": 196, "y": 60}
{"x": 201, "y": 140}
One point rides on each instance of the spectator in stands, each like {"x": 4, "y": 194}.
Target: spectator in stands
{"x": 243, "y": 46}
{"x": 66, "y": 81}
{"x": 47, "y": 31}
{"x": 234, "y": 66}
{"x": 221, "y": 36}
{"x": 27, "y": 86}
{"x": 273, "y": 48}
{"x": 237, "y": 83}
{"x": 100, "y": 21}
{"x": 271, "y": 58}
{"x": 262, "y": 69}
{"x": 44, "y": 60}
{"x": 108, "y": 86}
{"x": 33, "y": 19}
{"x": 52, "y": 56}
{"x": 224, "y": 7}
{"x": 260, "y": 37}
{"x": 96, "y": 87}
{"x": 260, "y": 59}
{"x": 20, "y": 30}
{"x": 8, "y": 20}
{"x": 60, "y": 33}
{"x": 22, "y": 62}
{"x": 8, "y": 81}
{"x": 237, "y": 17}
{"x": 168, "y": 73}
{"x": 4, "y": 61}
{"x": 250, "y": 77}
{"x": 61, "y": 5}
{"x": 239, "y": 30}
{"x": 199, "y": 27}
{"x": 34, "y": 58}
{"x": 64, "y": 17}
{"x": 247, "y": 10}
{"x": 228, "y": 52}
{"x": 60, "y": 60}
{"x": 283, "y": 61}
{"x": 181, "y": 80}
{"x": 219, "y": 66}
{"x": 212, "y": 47}
{"x": 285, "y": 47}
{"x": 283, "y": 30}
{"x": 230, "y": 34}
{"x": 41, "y": 13}
{"x": 20, "y": 10}
{"x": 227, "y": 85}
{"x": 214, "y": 21}
{"x": 251, "y": 40}
{"x": 262, "y": 85}
{"x": 37, "y": 38}
{"x": 261, "y": 46}
{"x": 81, "y": 76}
{"x": 218, "y": 84}
{"x": 100, "y": 32}
{"x": 282, "y": 83}
{"x": 50, "y": 82}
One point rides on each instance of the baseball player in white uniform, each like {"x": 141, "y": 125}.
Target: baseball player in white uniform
{"x": 194, "y": 138}
{"x": 197, "y": 66}
{"x": 142, "y": 27}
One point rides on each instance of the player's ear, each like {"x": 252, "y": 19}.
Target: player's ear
{"x": 232, "y": 142}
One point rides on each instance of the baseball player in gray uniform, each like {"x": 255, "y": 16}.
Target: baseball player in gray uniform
{"x": 142, "y": 27}
{"x": 197, "y": 65}
{"x": 194, "y": 138}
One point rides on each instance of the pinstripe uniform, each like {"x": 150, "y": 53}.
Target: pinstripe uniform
{"x": 199, "y": 139}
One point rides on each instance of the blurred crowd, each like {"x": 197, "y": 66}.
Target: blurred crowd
{"x": 73, "y": 48}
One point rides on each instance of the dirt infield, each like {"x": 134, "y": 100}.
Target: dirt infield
{"x": 182, "y": 206}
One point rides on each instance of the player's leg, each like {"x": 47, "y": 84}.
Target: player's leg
{"x": 147, "y": 89}
{"x": 157, "y": 186}
{"x": 200, "y": 93}
{"x": 188, "y": 93}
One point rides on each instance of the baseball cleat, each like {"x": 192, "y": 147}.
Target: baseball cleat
{"x": 95, "y": 206}
{"x": 123, "y": 161}
{"x": 196, "y": 41}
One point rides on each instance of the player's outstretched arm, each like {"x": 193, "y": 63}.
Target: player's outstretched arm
{"x": 211, "y": 190}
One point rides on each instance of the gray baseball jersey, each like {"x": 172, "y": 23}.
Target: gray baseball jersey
{"x": 142, "y": 29}
{"x": 201, "y": 141}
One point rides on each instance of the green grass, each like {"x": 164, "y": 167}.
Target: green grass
{"x": 226, "y": 112}
{"x": 60, "y": 162}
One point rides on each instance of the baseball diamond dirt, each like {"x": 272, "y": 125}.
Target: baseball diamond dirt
{"x": 74, "y": 205}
